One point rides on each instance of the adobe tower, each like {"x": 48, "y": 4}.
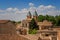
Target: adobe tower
{"x": 29, "y": 15}
{"x": 35, "y": 15}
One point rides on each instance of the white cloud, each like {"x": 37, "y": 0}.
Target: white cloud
{"x": 31, "y": 4}
{"x": 50, "y": 10}
{"x": 19, "y": 14}
{"x": 24, "y": 10}
{"x": 9, "y": 9}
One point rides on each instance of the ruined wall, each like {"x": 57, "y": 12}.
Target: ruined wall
{"x": 8, "y": 32}
{"x": 58, "y": 32}
{"x": 7, "y": 28}
{"x": 11, "y": 37}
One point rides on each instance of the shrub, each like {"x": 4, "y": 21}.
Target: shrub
{"x": 32, "y": 31}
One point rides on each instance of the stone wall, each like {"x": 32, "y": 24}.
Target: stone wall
{"x": 7, "y": 28}
{"x": 11, "y": 37}
{"x": 58, "y": 32}
{"x": 8, "y": 32}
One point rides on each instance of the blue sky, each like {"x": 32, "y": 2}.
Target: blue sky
{"x": 18, "y": 9}
{"x": 24, "y": 3}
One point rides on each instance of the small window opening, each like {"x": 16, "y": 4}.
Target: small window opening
{"x": 46, "y": 34}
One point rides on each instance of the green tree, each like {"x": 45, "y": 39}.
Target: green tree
{"x": 50, "y": 18}
{"x": 32, "y": 31}
{"x": 41, "y": 18}
{"x": 47, "y": 17}
{"x": 57, "y": 18}
{"x": 19, "y": 22}
{"x": 33, "y": 24}
{"x": 13, "y": 22}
